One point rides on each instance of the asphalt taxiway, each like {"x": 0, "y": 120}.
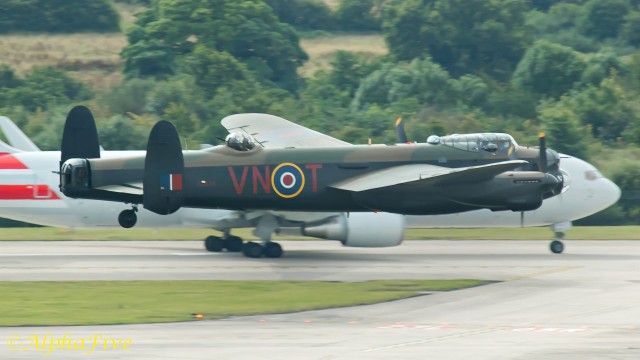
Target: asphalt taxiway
{"x": 584, "y": 304}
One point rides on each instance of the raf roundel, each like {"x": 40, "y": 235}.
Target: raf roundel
{"x": 287, "y": 180}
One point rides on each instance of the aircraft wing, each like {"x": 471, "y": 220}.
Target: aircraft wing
{"x": 15, "y": 136}
{"x": 276, "y": 132}
{"x": 424, "y": 174}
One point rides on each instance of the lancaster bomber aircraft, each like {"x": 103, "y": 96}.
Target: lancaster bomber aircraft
{"x": 314, "y": 172}
{"x": 29, "y": 192}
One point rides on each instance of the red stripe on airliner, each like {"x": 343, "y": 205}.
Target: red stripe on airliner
{"x": 10, "y": 162}
{"x": 27, "y": 192}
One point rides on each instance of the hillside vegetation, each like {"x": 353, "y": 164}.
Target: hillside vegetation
{"x": 322, "y": 49}
{"x": 569, "y": 68}
{"x": 58, "y": 16}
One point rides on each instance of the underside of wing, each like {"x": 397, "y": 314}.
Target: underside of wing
{"x": 289, "y": 222}
{"x": 425, "y": 174}
{"x": 127, "y": 193}
{"x": 133, "y": 189}
{"x": 275, "y": 132}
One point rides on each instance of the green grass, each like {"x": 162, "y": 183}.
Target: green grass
{"x": 123, "y": 302}
{"x": 50, "y": 233}
{"x": 91, "y": 58}
{"x": 62, "y": 234}
{"x": 531, "y": 233}
{"x": 322, "y": 50}
{"x": 94, "y": 59}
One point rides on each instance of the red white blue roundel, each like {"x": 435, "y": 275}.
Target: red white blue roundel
{"x": 287, "y": 180}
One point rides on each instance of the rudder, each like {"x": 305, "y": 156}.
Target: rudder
{"x": 80, "y": 136}
{"x": 163, "y": 170}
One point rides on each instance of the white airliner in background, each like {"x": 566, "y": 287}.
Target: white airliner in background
{"x": 29, "y": 192}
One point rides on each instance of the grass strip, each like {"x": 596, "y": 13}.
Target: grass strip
{"x": 528, "y": 233}
{"x": 126, "y": 302}
{"x": 531, "y": 233}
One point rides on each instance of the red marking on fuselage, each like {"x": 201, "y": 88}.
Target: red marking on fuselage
{"x": 238, "y": 186}
{"x": 261, "y": 178}
{"x": 287, "y": 179}
{"x": 176, "y": 181}
{"x": 27, "y": 192}
{"x": 314, "y": 175}
{"x": 264, "y": 181}
{"x": 10, "y": 162}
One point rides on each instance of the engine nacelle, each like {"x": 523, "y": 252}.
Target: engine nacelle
{"x": 361, "y": 229}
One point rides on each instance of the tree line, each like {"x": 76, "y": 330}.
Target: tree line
{"x": 569, "y": 68}
{"x": 58, "y": 16}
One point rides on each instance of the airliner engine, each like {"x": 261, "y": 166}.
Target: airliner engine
{"x": 361, "y": 229}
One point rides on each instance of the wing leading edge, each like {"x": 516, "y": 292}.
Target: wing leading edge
{"x": 424, "y": 174}
{"x": 275, "y": 132}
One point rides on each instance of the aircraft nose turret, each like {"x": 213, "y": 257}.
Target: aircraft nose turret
{"x": 549, "y": 161}
{"x": 553, "y": 159}
{"x": 566, "y": 180}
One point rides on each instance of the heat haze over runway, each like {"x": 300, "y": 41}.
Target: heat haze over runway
{"x": 579, "y": 305}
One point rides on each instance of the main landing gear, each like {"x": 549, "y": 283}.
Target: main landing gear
{"x": 249, "y": 249}
{"x": 264, "y": 229}
{"x": 128, "y": 218}
{"x": 255, "y": 250}
{"x": 229, "y": 242}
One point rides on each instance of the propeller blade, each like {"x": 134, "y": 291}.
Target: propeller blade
{"x": 521, "y": 218}
{"x": 542, "y": 157}
{"x": 402, "y": 135}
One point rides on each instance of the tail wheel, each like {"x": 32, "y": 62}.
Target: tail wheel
{"x": 127, "y": 218}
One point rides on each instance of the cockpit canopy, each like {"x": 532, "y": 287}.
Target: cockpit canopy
{"x": 240, "y": 141}
{"x": 490, "y": 142}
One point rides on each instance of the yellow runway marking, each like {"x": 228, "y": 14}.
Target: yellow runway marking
{"x": 542, "y": 273}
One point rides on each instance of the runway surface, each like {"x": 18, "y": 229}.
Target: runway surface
{"x": 584, "y": 304}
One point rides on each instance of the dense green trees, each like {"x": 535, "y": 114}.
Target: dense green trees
{"x": 627, "y": 177}
{"x": 464, "y": 36}
{"x": 304, "y": 14}
{"x": 40, "y": 88}
{"x": 565, "y": 131}
{"x": 549, "y": 70}
{"x": 602, "y": 19}
{"x": 246, "y": 29}
{"x": 630, "y": 30}
{"x": 359, "y": 15}
{"x": 58, "y": 16}
{"x": 569, "y": 68}
{"x": 351, "y": 15}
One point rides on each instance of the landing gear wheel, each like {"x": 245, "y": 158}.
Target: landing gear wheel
{"x": 557, "y": 247}
{"x": 233, "y": 243}
{"x": 127, "y": 218}
{"x": 252, "y": 250}
{"x": 273, "y": 250}
{"x": 213, "y": 244}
